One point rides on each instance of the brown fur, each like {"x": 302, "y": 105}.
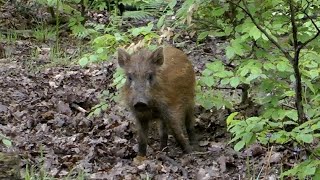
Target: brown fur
{"x": 169, "y": 95}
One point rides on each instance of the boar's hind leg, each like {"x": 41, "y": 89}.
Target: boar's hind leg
{"x": 163, "y": 132}
{"x": 143, "y": 127}
{"x": 190, "y": 125}
{"x": 176, "y": 124}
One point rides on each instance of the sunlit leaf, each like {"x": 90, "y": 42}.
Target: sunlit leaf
{"x": 239, "y": 145}
{"x": 7, "y": 142}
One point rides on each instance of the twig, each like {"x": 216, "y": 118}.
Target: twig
{"x": 77, "y": 107}
{"x": 226, "y": 88}
{"x": 268, "y": 161}
{"x": 200, "y": 153}
{"x": 260, "y": 172}
{"x": 288, "y": 106}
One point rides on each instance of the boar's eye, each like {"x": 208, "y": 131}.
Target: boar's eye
{"x": 150, "y": 77}
{"x": 129, "y": 76}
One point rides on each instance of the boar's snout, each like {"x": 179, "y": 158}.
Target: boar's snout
{"x": 140, "y": 104}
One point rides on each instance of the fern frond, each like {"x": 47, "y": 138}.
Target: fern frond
{"x": 156, "y": 5}
{"x": 139, "y": 15}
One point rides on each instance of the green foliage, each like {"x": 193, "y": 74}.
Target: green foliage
{"x": 104, "y": 47}
{"x": 271, "y": 128}
{"x": 102, "y": 106}
{"x": 43, "y": 34}
{"x": 147, "y": 8}
{"x": 210, "y": 76}
{"x": 32, "y": 172}
{"x": 253, "y": 61}
{"x": 106, "y": 44}
{"x": 208, "y": 18}
{"x": 70, "y": 9}
{"x": 308, "y": 168}
{"x": 6, "y": 141}
{"x": 118, "y": 79}
{"x": 246, "y": 131}
{"x": 138, "y": 15}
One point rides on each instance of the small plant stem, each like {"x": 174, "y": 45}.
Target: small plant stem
{"x": 57, "y": 26}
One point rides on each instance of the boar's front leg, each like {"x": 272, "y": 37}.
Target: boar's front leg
{"x": 143, "y": 127}
{"x": 163, "y": 132}
{"x": 190, "y": 125}
{"x": 176, "y": 123}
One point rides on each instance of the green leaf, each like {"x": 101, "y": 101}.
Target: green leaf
{"x": 289, "y": 93}
{"x": 204, "y": 101}
{"x": 104, "y": 107}
{"x": 269, "y": 66}
{"x": 307, "y": 172}
{"x": 93, "y": 58}
{"x": 307, "y": 138}
{"x": 97, "y": 111}
{"x": 314, "y": 73}
{"x": 224, "y": 81}
{"x": 231, "y": 117}
{"x": 282, "y": 66}
{"x": 264, "y": 37}
{"x": 218, "y": 12}
{"x": 248, "y": 137}
{"x": 238, "y": 49}
{"x": 161, "y": 21}
{"x": 223, "y": 74}
{"x": 256, "y": 70}
{"x": 255, "y": 33}
{"x": 280, "y": 137}
{"x": 234, "y": 82}
{"x": 317, "y": 174}
{"x": 100, "y": 50}
{"x": 292, "y": 114}
{"x": 244, "y": 72}
{"x": 239, "y": 145}
{"x": 215, "y": 66}
{"x": 208, "y": 80}
{"x": 202, "y": 35}
{"x": 206, "y": 72}
{"x": 279, "y": 114}
{"x": 310, "y": 86}
{"x": 172, "y": 3}
{"x": 7, "y": 142}
{"x": 252, "y": 77}
{"x": 290, "y": 172}
{"x": 83, "y": 61}
{"x": 289, "y": 123}
{"x": 230, "y": 53}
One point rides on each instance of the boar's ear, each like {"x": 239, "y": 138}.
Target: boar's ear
{"x": 123, "y": 57}
{"x": 157, "y": 56}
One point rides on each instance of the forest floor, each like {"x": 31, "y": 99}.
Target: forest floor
{"x": 41, "y": 112}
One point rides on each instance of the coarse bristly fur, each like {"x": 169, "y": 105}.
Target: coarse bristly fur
{"x": 160, "y": 85}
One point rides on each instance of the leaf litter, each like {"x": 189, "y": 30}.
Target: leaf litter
{"x": 38, "y": 115}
